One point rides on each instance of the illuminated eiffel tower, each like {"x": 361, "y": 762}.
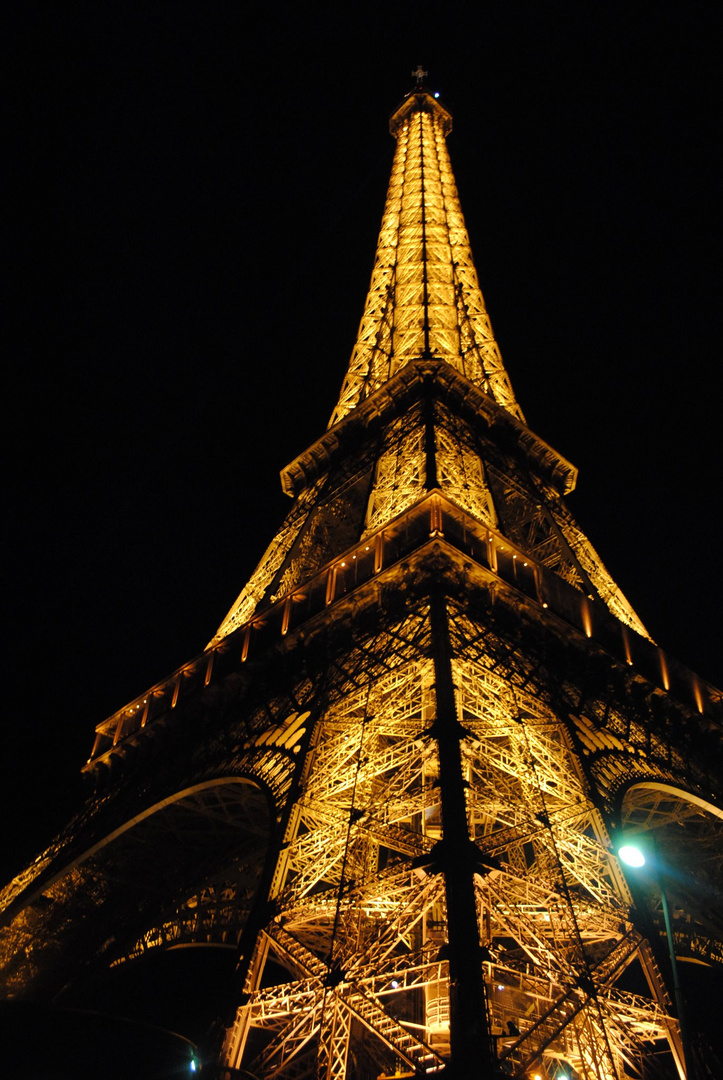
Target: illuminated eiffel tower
{"x": 395, "y": 780}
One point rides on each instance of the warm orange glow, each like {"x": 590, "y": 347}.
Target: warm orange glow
{"x": 330, "y": 584}
{"x": 664, "y": 669}
{"x": 286, "y": 616}
{"x": 378, "y": 552}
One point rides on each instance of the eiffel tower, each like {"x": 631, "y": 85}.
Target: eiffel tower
{"x": 395, "y": 781}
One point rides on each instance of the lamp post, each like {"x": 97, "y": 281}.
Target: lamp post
{"x": 634, "y": 856}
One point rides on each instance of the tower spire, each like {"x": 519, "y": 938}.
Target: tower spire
{"x": 424, "y": 299}
{"x": 425, "y": 334}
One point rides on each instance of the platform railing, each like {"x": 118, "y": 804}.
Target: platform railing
{"x": 432, "y": 518}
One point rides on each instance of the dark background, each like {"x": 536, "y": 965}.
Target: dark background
{"x": 196, "y": 190}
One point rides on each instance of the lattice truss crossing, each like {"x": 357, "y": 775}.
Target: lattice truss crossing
{"x": 359, "y": 903}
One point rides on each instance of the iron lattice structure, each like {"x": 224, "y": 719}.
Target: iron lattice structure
{"x": 393, "y": 780}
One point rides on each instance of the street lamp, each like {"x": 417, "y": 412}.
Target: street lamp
{"x": 634, "y": 856}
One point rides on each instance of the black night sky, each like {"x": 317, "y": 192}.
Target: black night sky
{"x": 196, "y": 190}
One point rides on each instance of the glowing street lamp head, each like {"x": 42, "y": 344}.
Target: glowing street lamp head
{"x": 631, "y": 855}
